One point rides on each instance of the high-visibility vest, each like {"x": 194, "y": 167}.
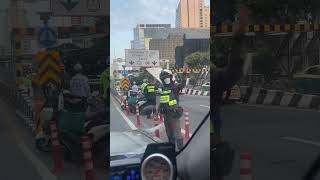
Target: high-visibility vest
{"x": 104, "y": 81}
{"x": 143, "y": 86}
{"x": 167, "y": 97}
{"x": 151, "y": 89}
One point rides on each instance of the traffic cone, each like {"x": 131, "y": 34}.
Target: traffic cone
{"x": 56, "y": 149}
{"x": 245, "y": 166}
{"x": 127, "y": 109}
{"x": 161, "y": 118}
{"x": 187, "y": 126}
{"x": 138, "y": 123}
{"x": 87, "y": 157}
{"x": 157, "y": 131}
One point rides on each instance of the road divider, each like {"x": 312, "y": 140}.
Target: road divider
{"x": 263, "y": 96}
{"x": 56, "y": 149}
{"x": 87, "y": 157}
{"x": 187, "y": 126}
{"x": 245, "y": 166}
{"x": 138, "y": 122}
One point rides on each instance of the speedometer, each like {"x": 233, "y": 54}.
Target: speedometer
{"x": 157, "y": 167}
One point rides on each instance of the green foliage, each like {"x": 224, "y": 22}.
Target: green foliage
{"x": 198, "y": 59}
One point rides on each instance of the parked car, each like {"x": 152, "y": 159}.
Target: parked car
{"x": 308, "y": 80}
{"x": 206, "y": 86}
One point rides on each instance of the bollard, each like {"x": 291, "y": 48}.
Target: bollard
{"x": 87, "y": 157}
{"x": 161, "y": 118}
{"x": 245, "y": 166}
{"x": 187, "y": 126}
{"x": 156, "y": 131}
{"x": 138, "y": 123}
{"x": 56, "y": 148}
{"x": 127, "y": 109}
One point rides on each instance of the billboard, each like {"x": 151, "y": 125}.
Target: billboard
{"x": 79, "y": 7}
{"x": 142, "y": 58}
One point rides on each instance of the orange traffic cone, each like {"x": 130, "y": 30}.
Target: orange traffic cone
{"x": 245, "y": 166}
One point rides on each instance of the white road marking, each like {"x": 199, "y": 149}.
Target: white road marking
{"x": 302, "y": 141}
{"x": 205, "y": 106}
{"x": 128, "y": 121}
{"x": 40, "y": 167}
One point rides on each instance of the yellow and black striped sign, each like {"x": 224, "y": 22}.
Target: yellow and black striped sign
{"x": 125, "y": 83}
{"x": 269, "y": 28}
{"x": 190, "y": 70}
{"x": 49, "y": 67}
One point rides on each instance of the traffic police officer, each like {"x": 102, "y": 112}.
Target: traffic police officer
{"x": 170, "y": 109}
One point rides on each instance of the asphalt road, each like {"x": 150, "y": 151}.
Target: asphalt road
{"x": 197, "y": 106}
{"x": 283, "y": 142}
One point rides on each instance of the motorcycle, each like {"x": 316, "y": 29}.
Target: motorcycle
{"x": 145, "y": 108}
{"x": 76, "y": 118}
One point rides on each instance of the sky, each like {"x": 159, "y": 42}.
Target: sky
{"x": 126, "y": 14}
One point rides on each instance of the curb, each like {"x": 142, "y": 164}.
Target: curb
{"x": 251, "y": 95}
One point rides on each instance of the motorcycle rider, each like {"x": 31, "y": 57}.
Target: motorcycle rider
{"x": 169, "y": 108}
{"x": 150, "y": 95}
{"x": 223, "y": 79}
{"x": 135, "y": 87}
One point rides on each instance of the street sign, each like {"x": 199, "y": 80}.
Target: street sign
{"x": 142, "y": 58}
{"x": 125, "y": 83}
{"x": 49, "y": 67}
{"x": 125, "y": 73}
{"x": 47, "y": 37}
{"x": 79, "y": 7}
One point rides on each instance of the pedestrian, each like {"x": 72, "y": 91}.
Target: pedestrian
{"x": 169, "y": 108}
{"x": 79, "y": 84}
{"x": 150, "y": 95}
{"x": 143, "y": 85}
{"x": 224, "y": 79}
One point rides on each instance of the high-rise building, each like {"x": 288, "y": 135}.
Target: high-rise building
{"x": 144, "y": 32}
{"x": 167, "y": 46}
{"x": 192, "y": 14}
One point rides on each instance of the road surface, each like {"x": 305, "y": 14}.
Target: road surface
{"x": 282, "y": 141}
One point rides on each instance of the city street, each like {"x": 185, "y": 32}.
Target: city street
{"x": 197, "y": 106}
{"x": 283, "y": 142}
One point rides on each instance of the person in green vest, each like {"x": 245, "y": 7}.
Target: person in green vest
{"x": 143, "y": 85}
{"x": 104, "y": 84}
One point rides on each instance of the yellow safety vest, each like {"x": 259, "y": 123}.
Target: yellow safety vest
{"x": 211, "y": 127}
{"x": 166, "y": 99}
{"x": 143, "y": 86}
{"x": 151, "y": 89}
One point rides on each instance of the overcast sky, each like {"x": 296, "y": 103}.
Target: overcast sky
{"x": 126, "y": 14}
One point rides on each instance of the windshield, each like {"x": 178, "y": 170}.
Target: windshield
{"x": 274, "y": 127}
{"x": 156, "y": 39}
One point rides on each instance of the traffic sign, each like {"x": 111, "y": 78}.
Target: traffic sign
{"x": 47, "y": 36}
{"x": 49, "y": 67}
{"x": 125, "y": 73}
{"x": 125, "y": 83}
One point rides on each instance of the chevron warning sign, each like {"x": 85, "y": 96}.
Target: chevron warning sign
{"x": 49, "y": 67}
{"x": 125, "y": 83}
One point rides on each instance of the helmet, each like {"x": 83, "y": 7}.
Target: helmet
{"x": 77, "y": 67}
{"x": 165, "y": 74}
{"x": 134, "y": 83}
{"x": 145, "y": 80}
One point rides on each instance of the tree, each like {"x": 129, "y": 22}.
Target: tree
{"x": 198, "y": 59}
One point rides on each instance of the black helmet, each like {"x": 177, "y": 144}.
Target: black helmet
{"x": 165, "y": 74}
